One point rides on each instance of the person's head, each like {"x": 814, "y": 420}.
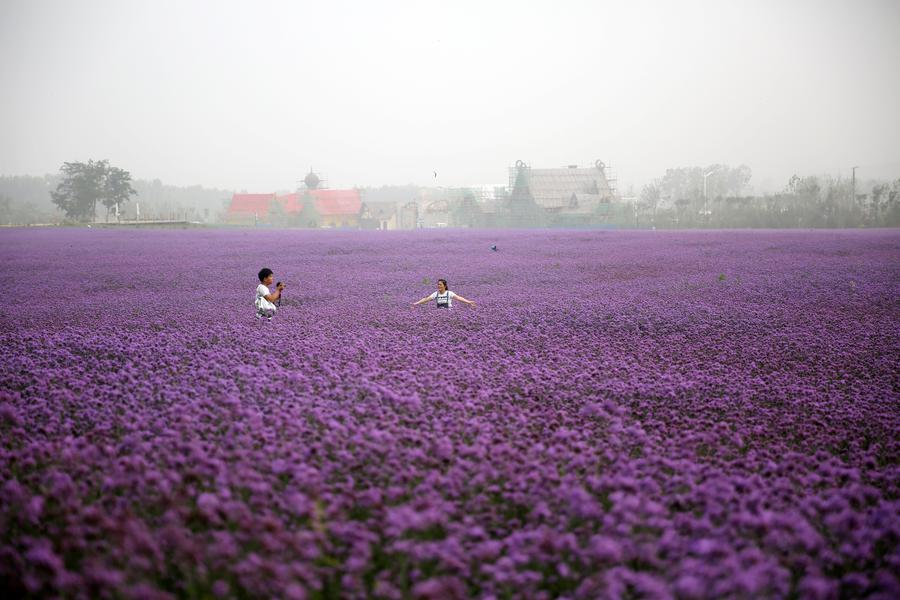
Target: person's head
{"x": 266, "y": 276}
{"x": 442, "y": 285}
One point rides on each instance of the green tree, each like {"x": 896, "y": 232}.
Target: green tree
{"x": 892, "y": 209}
{"x": 806, "y": 195}
{"x": 880, "y": 196}
{"x": 117, "y": 189}
{"x": 521, "y": 210}
{"x": 277, "y": 214}
{"x": 650, "y": 198}
{"x": 84, "y": 184}
{"x": 80, "y": 188}
{"x": 466, "y": 212}
{"x": 5, "y": 209}
{"x": 309, "y": 213}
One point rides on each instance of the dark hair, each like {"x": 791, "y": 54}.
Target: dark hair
{"x": 446, "y": 287}
{"x": 263, "y": 273}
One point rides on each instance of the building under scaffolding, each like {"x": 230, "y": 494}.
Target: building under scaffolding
{"x": 471, "y": 206}
{"x": 567, "y": 196}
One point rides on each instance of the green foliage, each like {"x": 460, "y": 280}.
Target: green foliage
{"x": 676, "y": 201}
{"x": 277, "y": 215}
{"x": 466, "y": 212}
{"x": 83, "y": 185}
{"x": 117, "y": 187}
{"x": 5, "y": 208}
{"x": 309, "y": 215}
{"x": 521, "y": 208}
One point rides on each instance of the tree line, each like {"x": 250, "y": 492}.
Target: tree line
{"x": 26, "y": 199}
{"x": 679, "y": 199}
{"x": 690, "y": 197}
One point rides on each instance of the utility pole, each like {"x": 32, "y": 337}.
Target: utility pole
{"x": 705, "y": 194}
{"x": 853, "y": 186}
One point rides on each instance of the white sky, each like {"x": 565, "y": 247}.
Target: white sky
{"x": 250, "y": 95}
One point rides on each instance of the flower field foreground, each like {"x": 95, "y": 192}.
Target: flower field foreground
{"x": 624, "y": 414}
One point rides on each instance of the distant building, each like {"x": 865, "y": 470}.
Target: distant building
{"x": 477, "y": 206}
{"x": 572, "y": 195}
{"x": 379, "y": 215}
{"x": 436, "y": 212}
{"x": 249, "y": 209}
{"x": 565, "y": 188}
{"x": 309, "y": 208}
{"x": 325, "y": 208}
{"x": 490, "y": 213}
{"x": 408, "y": 216}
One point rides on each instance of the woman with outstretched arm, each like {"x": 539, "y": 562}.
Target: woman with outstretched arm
{"x": 443, "y": 297}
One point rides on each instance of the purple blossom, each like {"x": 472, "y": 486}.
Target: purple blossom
{"x": 612, "y": 420}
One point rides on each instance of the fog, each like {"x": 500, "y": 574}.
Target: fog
{"x": 234, "y": 96}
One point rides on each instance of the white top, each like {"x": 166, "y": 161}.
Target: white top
{"x": 261, "y": 302}
{"x": 445, "y": 298}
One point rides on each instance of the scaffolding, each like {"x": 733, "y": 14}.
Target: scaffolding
{"x": 565, "y": 189}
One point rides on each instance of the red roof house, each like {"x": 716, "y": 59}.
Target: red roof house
{"x": 249, "y": 206}
{"x": 337, "y": 203}
{"x": 333, "y": 208}
{"x": 292, "y": 204}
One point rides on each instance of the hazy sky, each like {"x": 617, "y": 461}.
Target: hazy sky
{"x": 250, "y": 95}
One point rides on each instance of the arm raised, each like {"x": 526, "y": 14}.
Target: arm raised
{"x": 461, "y": 299}
{"x": 275, "y": 295}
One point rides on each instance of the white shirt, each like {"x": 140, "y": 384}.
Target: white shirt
{"x": 445, "y": 298}
{"x": 261, "y": 302}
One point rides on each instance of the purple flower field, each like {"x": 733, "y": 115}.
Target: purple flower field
{"x": 624, "y": 414}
